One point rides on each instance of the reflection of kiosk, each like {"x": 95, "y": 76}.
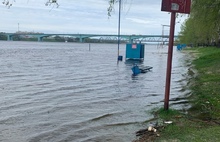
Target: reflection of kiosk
{"x": 135, "y": 51}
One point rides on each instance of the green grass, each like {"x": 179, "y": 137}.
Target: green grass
{"x": 190, "y": 132}
{"x": 206, "y": 90}
{"x": 202, "y": 122}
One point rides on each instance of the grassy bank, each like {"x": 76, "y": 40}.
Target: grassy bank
{"x": 202, "y": 122}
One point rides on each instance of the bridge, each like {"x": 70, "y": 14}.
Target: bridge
{"x": 126, "y": 38}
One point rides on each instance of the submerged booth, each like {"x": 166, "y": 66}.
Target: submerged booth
{"x": 135, "y": 51}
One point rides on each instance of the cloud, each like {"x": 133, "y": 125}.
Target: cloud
{"x": 139, "y": 21}
{"x": 85, "y": 16}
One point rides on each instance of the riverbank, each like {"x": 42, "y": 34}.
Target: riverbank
{"x": 201, "y": 123}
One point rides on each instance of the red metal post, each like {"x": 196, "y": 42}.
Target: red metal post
{"x": 169, "y": 60}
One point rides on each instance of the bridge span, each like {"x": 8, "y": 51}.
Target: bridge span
{"x": 126, "y": 38}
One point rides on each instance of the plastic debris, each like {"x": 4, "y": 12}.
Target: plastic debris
{"x": 168, "y": 122}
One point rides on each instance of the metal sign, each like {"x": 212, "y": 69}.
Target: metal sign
{"x": 179, "y": 6}
{"x": 134, "y": 46}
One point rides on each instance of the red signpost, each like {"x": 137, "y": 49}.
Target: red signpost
{"x": 173, "y": 6}
{"x": 178, "y": 6}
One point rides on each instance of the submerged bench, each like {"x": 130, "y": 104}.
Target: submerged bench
{"x": 140, "y": 69}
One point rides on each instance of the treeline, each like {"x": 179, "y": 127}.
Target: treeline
{"x": 59, "y": 39}
{"x": 202, "y": 28}
{"x": 3, "y": 37}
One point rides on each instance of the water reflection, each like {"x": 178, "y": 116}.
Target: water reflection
{"x": 133, "y": 62}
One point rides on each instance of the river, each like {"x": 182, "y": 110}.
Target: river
{"x": 66, "y": 92}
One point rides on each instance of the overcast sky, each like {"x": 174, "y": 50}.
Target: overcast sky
{"x": 86, "y": 17}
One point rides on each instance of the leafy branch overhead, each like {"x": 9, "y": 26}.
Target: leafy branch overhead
{"x": 8, "y": 3}
{"x": 49, "y": 2}
{"x": 111, "y": 6}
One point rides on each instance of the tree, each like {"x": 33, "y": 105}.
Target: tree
{"x": 3, "y": 37}
{"x": 203, "y": 25}
{"x": 59, "y": 39}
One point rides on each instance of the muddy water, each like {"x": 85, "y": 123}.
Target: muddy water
{"x": 55, "y": 92}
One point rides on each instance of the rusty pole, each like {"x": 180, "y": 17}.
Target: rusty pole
{"x": 169, "y": 60}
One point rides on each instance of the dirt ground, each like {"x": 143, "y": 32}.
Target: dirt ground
{"x": 147, "y": 136}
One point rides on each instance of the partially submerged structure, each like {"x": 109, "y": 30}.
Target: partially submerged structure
{"x": 135, "y": 51}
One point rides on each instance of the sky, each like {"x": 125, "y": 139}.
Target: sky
{"x": 140, "y": 17}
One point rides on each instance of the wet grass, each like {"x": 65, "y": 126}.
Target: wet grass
{"x": 206, "y": 89}
{"x": 202, "y": 121}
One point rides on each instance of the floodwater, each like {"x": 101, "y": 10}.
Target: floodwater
{"x": 66, "y": 92}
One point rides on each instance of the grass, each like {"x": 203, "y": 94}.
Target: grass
{"x": 202, "y": 122}
{"x": 206, "y": 90}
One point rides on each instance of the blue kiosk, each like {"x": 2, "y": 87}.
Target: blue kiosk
{"x": 135, "y": 51}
